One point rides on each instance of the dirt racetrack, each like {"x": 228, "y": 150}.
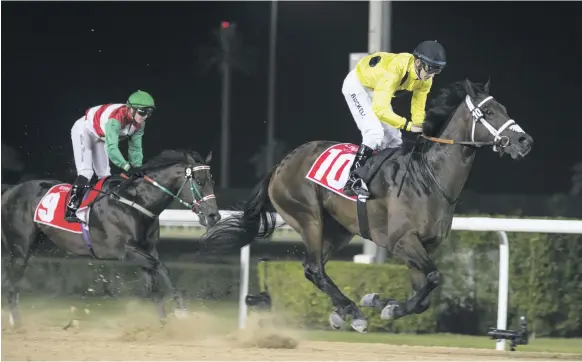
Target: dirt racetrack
{"x": 92, "y": 346}
{"x": 63, "y": 345}
{"x": 201, "y": 337}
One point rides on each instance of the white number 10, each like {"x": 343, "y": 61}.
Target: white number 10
{"x": 336, "y": 163}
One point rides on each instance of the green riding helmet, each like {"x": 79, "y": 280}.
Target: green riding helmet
{"x": 141, "y": 99}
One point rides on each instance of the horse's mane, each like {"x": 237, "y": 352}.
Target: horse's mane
{"x": 444, "y": 103}
{"x": 170, "y": 157}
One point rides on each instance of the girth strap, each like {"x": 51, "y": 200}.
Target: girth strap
{"x": 363, "y": 222}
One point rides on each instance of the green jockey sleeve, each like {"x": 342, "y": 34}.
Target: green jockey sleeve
{"x": 134, "y": 149}
{"x": 112, "y": 144}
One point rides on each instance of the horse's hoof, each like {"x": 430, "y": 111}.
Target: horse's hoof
{"x": 181, "y": 313}
{"x": 72, "y": 323}
{"x": 335, "y": 320}
{"x": 360, "y": 325}
{"x": 389, "y": 310}
{"x": 370, "y": 300}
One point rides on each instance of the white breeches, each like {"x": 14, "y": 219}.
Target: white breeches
{"x": 375, "y": 133}
{"x": 89, "y": 151}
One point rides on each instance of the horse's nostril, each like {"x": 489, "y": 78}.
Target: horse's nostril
{"x": 523, "y": 140}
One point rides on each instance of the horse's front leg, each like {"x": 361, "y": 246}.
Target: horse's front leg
{"x": 424, "y": 276}
{"x": 164, "y": 273}
{"x": 152, "y": 238}
{"x": 154, "y": 291}
{"x": 154, "y": 270}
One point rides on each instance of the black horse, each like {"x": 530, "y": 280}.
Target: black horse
{"x": 413, "y": 190}
{"x": 122, "y": 222}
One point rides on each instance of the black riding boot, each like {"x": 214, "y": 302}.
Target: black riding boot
{"x": 354, "y": 184}
{"x": 76, "y": 197}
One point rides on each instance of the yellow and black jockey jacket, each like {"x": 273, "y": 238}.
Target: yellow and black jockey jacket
{"x": 387, "y": 73}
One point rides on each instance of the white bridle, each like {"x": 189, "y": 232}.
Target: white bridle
{"x": 478, "y": 117}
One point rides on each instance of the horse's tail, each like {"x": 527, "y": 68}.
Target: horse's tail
{"x": 257, "y": 219}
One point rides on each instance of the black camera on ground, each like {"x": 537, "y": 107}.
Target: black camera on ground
{"x": 261, "y": 301}
{"x": 516, "y": 337}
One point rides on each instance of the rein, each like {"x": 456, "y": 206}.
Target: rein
{"x": 462, "y": 143}
{"x": 197, "y": 197}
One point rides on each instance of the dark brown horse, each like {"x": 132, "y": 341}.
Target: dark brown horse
{"x": 409, "y": 222}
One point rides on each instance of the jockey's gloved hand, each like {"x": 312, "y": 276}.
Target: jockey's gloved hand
{"x": 416, "y": 129}
{"x": 135, "y": 171}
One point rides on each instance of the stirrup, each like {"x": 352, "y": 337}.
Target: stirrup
{"x": 361, "y": 190}
{"x": 72, "y": 218}
{"x": 71, "y": 213}
{"x": 356, "y": 187}
{"x": 349, "y": 185}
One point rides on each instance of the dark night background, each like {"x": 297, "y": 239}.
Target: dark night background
{"x": 54, "y": 67}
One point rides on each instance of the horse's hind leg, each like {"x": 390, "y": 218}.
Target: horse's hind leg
{"x": 21, "y": 243}
{"x": 425, "y": 277}
{"x": 311, "y": 228}
{"x": 335, "y": 237}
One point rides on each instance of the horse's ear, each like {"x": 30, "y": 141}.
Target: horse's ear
{"x": 208, "y": 158}
{"x": 487, "y": 86}
{"x": 469, "y": 88}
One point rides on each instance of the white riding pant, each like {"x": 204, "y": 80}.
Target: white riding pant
{"x": 89, "y": 151}
{"x": 375, "y": 133}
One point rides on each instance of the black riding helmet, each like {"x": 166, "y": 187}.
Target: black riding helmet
{"x": 432, "y": 54}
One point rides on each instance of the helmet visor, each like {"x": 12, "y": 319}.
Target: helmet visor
{"x": 145, "y": 112}
{"x": 431, "y": 68}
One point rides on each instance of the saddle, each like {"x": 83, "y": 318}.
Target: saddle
{"x": 371, "y": 168}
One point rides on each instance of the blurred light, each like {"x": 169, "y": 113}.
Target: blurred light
{"x": 225, "y": 24}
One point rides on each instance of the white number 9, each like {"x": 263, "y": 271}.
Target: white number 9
{"x": 48, "y": 206}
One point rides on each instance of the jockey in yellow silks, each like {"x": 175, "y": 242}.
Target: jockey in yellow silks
{"x": 369, "y": 90}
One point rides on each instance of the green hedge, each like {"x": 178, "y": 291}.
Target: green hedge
{"x": 302, "y": 304}
{"x": 545, "y": 282}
